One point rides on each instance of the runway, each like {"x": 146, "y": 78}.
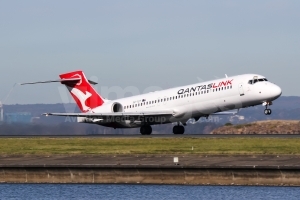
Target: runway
{"x": 157, "y": 136}
{"x": 152, "y": 169}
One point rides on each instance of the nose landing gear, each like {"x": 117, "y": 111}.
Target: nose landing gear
{"x": 267, "y": 111}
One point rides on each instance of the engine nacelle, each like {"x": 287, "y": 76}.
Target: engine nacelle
{"x": 116, "y": 107}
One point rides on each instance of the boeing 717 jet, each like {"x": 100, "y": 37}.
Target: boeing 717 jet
{"x": 177, "y": 104}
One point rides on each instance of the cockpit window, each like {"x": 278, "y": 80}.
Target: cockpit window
{"x": 255, "y": 80}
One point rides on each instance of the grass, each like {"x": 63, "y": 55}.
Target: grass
{"x": 73, "y": 146}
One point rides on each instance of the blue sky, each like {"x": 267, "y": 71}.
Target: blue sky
{"x": 142, "y": 44}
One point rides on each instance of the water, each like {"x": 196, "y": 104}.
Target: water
{"x": 157, "y": 192}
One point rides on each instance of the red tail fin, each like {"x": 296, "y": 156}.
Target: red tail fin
{"x": 83, "y": 93}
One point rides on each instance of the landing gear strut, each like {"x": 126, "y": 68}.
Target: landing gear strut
{"x": 267, "y": 111}
{"x": 178, "y": 129}
{"x": 146, "y": 130}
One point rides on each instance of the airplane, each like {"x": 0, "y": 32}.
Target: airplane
{"x": 178, "y": 104}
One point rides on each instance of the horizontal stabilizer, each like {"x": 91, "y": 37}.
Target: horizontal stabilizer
{"x": 59, "y": 80}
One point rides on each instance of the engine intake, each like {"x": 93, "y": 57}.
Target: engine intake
{"x": 117, "y": 107}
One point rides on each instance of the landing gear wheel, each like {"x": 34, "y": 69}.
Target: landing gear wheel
{"x": 178, "y": 129}
{"x": 146, "y": 130}
{"x": 268, "y": 111}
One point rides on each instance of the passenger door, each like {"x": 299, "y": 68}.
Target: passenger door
{"x": 241, "y": 89}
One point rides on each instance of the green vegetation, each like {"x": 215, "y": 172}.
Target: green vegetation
{"x": 228, "y": 124}
{"x": 229, "y": 146}
{"x": 242, "y": 126}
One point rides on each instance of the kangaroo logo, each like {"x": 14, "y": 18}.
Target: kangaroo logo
{"x": 82, "y": 98}
{"x": 78, "y": 76}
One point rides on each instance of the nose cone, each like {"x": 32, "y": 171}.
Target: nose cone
{"x": 276, "y": 91}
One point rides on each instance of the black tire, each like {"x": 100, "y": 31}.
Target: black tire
{"x": 149, "y": 130}
{"x": 181, "y": 129}
{"x": 175, "y": 129}
{"x": 178, "y": 129}
{"x": 146, "y": 130}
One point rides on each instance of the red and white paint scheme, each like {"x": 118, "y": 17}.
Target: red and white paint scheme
{"x": 179, "y": 104}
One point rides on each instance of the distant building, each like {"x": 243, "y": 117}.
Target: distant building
{"x": 17, "y": 117}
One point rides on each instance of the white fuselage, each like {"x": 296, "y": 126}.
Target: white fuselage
{"x": 195, "y": 101}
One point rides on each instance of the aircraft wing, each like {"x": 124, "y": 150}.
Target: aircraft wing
{"x": 112, "y": 115}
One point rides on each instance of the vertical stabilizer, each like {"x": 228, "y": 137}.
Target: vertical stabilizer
{"x": 81, "y": 90}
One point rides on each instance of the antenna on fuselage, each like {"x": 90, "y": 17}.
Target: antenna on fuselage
{"x": 226, "y": 76}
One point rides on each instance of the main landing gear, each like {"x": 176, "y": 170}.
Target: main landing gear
{"x": 178, "y": 129}
{"x": 146, "y": 130}
{"x": 267, "y": 111}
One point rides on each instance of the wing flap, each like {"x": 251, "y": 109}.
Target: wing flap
{"x": 229, "y": 112}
